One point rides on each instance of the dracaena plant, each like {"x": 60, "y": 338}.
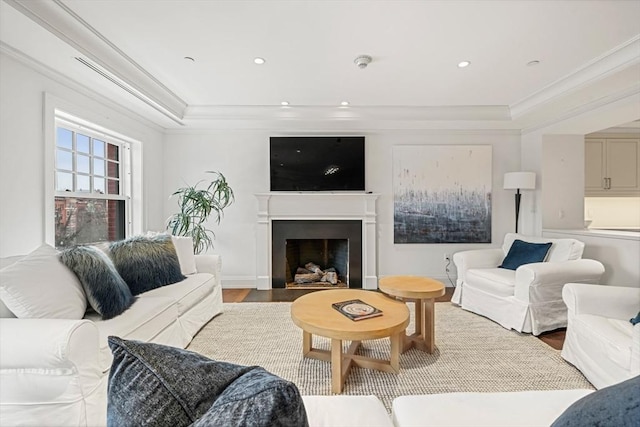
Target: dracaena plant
{"x": 198, "y": 204}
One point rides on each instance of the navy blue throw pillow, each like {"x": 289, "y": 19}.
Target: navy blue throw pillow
{"x": 616, "y": 406}
{"x": 522, "y": 252}
{"x": 156, "y": 385}
{"x": 635, "y": 320}
{"x": 146, "y": 263}
{"x": 106, "y": 292}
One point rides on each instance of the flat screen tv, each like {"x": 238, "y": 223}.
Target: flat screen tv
{"x": 317, "y": 163}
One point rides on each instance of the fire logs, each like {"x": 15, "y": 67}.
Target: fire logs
{"x": 313, "y": 273}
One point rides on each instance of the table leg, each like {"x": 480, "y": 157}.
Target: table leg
{"x": 396, "y": 345}
{"x": 429, "y": 325}
{"x": 307, "y": 342}
{"x": 419, "y": 319}
{"x": 336, "y": 366}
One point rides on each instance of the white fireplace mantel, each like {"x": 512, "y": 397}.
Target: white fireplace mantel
{"x": 316, "y": 206}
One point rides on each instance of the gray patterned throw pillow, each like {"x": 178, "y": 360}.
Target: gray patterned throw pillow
{"x": 106, "y": 292}
{"x": 156, "y": 385}
{"x": 146, "y": 263}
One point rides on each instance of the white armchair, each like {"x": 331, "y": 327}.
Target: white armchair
{"x": 600, "y": 340}
{"x": 528, "y": 299}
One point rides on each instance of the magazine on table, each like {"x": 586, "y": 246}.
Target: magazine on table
{"x": 356, "y": 309}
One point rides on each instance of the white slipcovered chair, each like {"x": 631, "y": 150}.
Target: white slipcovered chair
{"x": 528, "y": 299}
{"x": 601, "y": 341}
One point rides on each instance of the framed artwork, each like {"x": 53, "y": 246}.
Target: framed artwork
{"x": 442, "y": 194}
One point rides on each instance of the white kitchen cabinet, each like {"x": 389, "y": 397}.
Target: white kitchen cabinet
{"x": 612, "y": 167}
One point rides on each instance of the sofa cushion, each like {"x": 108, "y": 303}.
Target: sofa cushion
{"x": 187, "y": 293}
{"x": 152, "y": 384}
{"x": 617, "y": 405}
{"x": 506, "y": 409}
{"x": 352, "y": 411}
{"x": 143, "y": 321}
{"x": 106, "y": 292}
{"x": 186, "y": 256}
{"x": 522, "y": 252}
{"x": 146, "y": 262}
{"x": 40, "y": 286}
{"x": 561, "y": 249}
{"x": 496, "y": 281}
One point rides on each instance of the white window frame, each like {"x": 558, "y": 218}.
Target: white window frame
{"x": 58, "y": 109}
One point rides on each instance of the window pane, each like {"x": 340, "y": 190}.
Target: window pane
{"x": 64, "y": 138}
{"x": 98, "y": 167}
{"x": 98, "y": 148}
{"x": 80, "y": 220}
{"x": 98, "y": 185}
{"x": 64, "y": 160}
{"x": 82, "y": 183}
{"x": 113, "y": 170}
{"x": 82, "y": 164}
{"x": 64, "y": 181}
{"x": 113, "y": 152}
{"x": 113, "y": 186}
{"x": 82, "y": 143}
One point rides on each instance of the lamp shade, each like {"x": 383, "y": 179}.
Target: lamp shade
{"x": 520, "y": 180}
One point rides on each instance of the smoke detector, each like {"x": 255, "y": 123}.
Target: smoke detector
{"x": 362, "y": 61}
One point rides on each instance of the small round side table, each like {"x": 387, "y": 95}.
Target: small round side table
{"x": 423, "y": 291}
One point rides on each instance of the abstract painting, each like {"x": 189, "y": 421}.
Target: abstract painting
{"x": 442, "y": 194}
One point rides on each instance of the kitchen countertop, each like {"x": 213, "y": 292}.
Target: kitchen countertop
{"x": 617, "y": 233}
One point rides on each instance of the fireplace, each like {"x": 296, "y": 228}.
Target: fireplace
{"x": 329, "y": 246}
{"x": 332, "y": 212}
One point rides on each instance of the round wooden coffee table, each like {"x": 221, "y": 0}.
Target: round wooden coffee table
{"x": 314, "y": 314}
{"x": 423, "y": 291}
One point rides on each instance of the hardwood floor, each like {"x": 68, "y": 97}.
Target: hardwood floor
{"x": 554, "y": 339}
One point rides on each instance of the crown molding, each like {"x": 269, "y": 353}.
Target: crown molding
{"x": 72, "y": 84}
{"x": 631, "y": 94}
{"x": 611, "y": 62}
{"x": 351, "y": 113}
{"x": 106, "y": 58}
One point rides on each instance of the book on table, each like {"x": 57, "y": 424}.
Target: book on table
{"x": 356, "y": 309}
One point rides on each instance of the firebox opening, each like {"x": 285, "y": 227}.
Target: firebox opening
{"x": 345, "y": 234}
{"x": 317, "y": 263}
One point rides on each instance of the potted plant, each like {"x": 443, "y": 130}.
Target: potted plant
{"x": 196, "y": 206}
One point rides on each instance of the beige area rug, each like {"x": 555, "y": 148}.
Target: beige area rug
{"x": 473, "y": 354}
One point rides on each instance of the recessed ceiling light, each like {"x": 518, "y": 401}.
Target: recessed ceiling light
{"x": 533, "y": 63}
{"x": 464, "y": 64}
{"x": 259, "y": 60}
{"x": 284, "y": 103}
{"x": 344, "y": 103}
{"x": 188, "y": 58}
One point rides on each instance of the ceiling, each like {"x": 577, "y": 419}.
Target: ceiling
{"x": 587, "y": 51}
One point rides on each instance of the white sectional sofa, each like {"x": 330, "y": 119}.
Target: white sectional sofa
{"x": 508, "y": 409}
{"x": 55, "y": 371}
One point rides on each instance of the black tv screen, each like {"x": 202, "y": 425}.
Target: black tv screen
{"x": 317, "y": 163}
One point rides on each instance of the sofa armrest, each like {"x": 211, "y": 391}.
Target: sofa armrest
{"x": 211, "y": 264}
{"x": 543, "y": 281}
{"x": 478, "y": 258}
{"x": 615, "y": 302}
{"x": 41, "y": 359}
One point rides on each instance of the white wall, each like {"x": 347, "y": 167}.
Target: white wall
{"x": 562, "y": 181}
{"x": 22, "y": 192}
{"x": 243, "y": 156}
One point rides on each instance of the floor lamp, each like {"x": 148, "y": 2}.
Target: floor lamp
{"x": 519, "y": 181}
